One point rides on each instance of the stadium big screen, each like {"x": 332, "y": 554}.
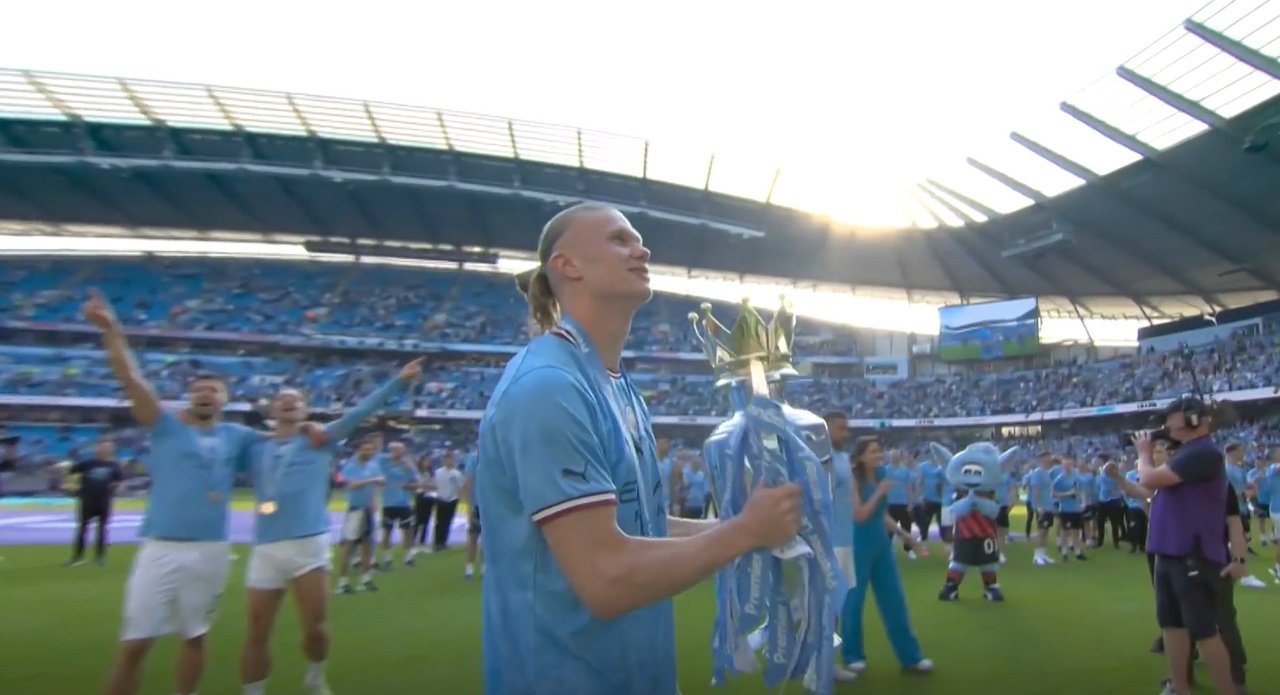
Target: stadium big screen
{"x": 990, "y": 330}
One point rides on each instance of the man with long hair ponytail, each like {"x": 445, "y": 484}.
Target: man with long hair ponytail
{"x": 581, "y": 557}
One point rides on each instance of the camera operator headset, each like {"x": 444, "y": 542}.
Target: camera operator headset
{"x": 1187, "y": 535}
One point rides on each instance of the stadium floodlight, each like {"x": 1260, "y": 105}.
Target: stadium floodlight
{"x": 1037, "y": 244}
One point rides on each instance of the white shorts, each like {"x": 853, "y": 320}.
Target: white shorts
{"x": 274, "y": 565}
{"x": 947, "y": 518}
{"x": 844, "y": 560}
{"x": 358, "y": 525}
{"x": 174, "y": 587}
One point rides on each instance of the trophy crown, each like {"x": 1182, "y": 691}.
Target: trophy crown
{"x": 732, "y": 350}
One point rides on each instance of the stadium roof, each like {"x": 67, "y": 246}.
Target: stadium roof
{"x": 1175, "y": 219}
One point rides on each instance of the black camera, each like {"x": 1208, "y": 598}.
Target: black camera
{"x": 1158, "y": 435}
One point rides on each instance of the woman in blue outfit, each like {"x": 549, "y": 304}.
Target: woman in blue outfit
{"x": 874, "y": 564}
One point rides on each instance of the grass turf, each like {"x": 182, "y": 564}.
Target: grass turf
{"x": 1079, "y": 627}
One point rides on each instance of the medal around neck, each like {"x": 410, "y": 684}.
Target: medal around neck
{"x": 789, "y": 597}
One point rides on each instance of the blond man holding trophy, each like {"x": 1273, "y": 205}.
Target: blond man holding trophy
{"x": 582, "y": 559}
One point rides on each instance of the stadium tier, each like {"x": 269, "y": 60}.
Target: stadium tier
{"x": 260, "y": 298}
{"x": 242, "y": 319}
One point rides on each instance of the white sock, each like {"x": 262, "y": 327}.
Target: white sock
{"x": 366, "y": 577}
{"x": 470, "y": 567}
{"x": 342, "y": 581}
{"x": 259, "y": 688}
{"x": 315, "y": 673}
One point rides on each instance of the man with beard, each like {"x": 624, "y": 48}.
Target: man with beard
{"x": 181, "y": 568}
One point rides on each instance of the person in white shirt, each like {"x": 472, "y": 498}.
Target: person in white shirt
{"x": 448, "y": 483}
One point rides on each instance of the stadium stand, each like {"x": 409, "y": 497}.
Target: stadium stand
{"x": 241, "y": 312}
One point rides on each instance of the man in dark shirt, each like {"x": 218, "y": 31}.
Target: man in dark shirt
{"x": 1228, "y": 627}
{"x": 99, "y": 478}
{"x": 1186, "y": 535}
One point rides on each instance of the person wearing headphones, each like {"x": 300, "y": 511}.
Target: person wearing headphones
{"x": 1186, "y": 535}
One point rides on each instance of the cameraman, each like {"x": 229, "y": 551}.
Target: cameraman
{"x": 1228, "y": 627}
{"x": 1186, "y": 535}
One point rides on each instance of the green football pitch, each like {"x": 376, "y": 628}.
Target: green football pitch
{"x": 1068, "y": 628}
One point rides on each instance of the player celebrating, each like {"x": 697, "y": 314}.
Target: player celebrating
{"x": 363, "y": 476}
{"x": 179, "y": 572}
{"x": 291, "y": 530}
{"x": 402, "y": 482}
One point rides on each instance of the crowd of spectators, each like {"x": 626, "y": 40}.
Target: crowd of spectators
{"x": 272, "y": 299}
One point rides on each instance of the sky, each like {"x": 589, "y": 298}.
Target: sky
{"x": 854, "y": 101}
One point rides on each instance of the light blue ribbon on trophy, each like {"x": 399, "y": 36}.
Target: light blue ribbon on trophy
{"x": 789, "y": 593}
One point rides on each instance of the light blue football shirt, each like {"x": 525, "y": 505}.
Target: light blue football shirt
{"x": 664, "y": 474}
{"x": 901, "y": 478}
{"x": 551, "y": 444}
{"x": 1272, "y": 482}
{"x": 295, "y": 475}
{"x": 192, "y": 471}
{"x": 695, "y": 487}
{"x": 1008, "y": 480}
{"x": 398, "y": 474}
{"x": 1087, "y": 485}
{"x": 1068, "y": 483}
{"x": 1132, "y": 502}
{"x": 1108, "y": 489}
{"x": 1039, "y": 483}
{"x": 1257, "y": 476}
{"x": 1237, "y": 475}
{"x": 931, "y": 482}
{"x": 841, "y": 500}
{"x": 355, "y": 470}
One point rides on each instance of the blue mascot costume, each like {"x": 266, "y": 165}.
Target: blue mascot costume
{"x": 975, "y": 475}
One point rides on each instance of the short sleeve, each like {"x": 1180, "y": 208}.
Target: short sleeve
{"x": 1199, "y": 463}
{"x": 545, "y": 426}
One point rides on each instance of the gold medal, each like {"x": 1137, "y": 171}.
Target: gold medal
{"x": 266, "y": 507}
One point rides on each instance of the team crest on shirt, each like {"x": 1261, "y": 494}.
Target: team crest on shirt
{"x": 210, "y": 450}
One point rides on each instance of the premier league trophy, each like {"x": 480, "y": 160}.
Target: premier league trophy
{"x": 787, "y": 596}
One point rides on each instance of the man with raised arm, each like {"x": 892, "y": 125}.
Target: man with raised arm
{"x": 291, "y": 529}
{"x": 181, "y": 567}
